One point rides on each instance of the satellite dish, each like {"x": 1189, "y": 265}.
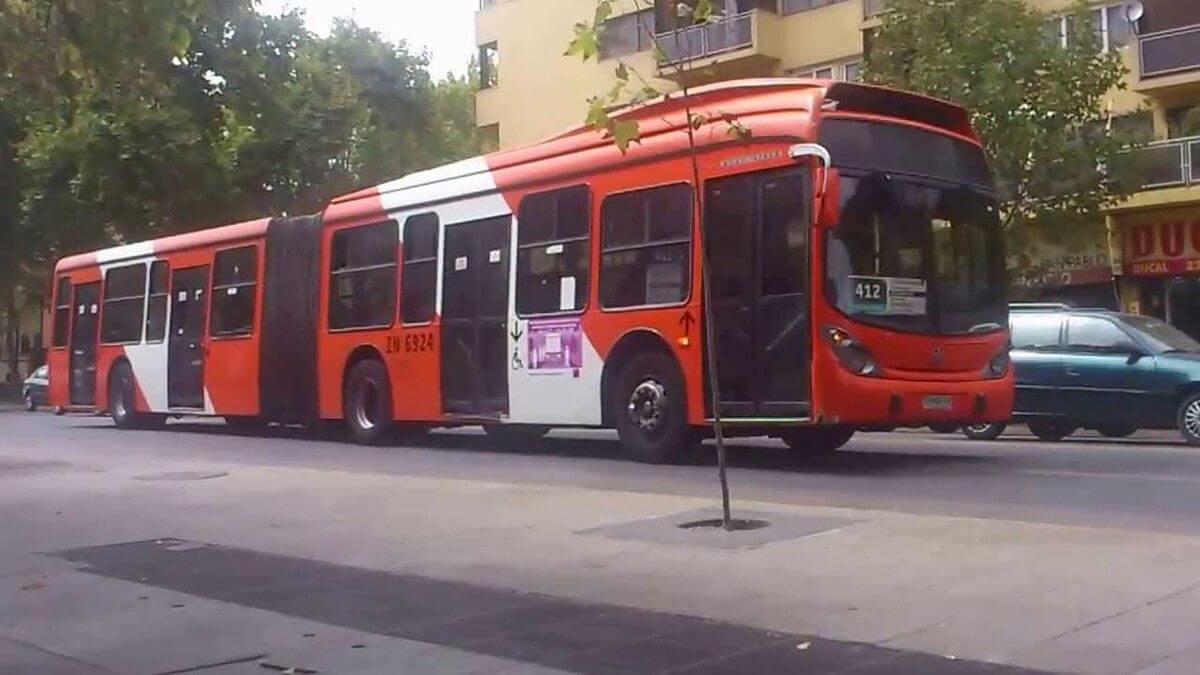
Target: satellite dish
{"x": 1134, "y": 12}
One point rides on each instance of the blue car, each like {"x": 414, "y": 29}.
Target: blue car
{"x": 36, "y": 388}
{"x": 1103, "y": 370}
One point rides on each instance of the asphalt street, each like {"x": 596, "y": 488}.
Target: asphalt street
{"x": 1150, "y": 482}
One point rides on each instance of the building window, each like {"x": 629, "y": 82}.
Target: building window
{"x": 793, "y": 6}
{"x": 124, "y": 300}
{"x": 156, "y": 307}
{"x": 553, "y": 251}
{"x": 849, "y": 71}
{"x": 489, "y": 65}
{"x": 235, "y": 280}
{"x": 646, "y": 247}
{"x": 362, "y": 277}
{"x": 419, "y": 282}
{"x": 62, "y": 312}
{"x": 1109, "y": 24}
{"x": 627, "y": 34}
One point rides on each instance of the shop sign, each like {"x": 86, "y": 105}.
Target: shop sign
{"x": 1162, "y": 243}
{"x": 1052, "y": 265}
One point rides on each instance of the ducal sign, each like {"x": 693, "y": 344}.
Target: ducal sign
{"x": 1161, "y": 242}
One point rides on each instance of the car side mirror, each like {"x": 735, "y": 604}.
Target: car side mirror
{"x": 1133, "y": 351}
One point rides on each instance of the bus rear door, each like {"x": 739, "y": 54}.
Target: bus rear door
{"x": 185, "y": 352}
{"x": 85, "y": 325}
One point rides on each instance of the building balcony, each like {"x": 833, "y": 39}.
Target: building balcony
{"x": 1170, "y": 51}
{"x": 873, "y": 8}
{"x": 738, "y": 45}
{"x": 1167, "y": 164}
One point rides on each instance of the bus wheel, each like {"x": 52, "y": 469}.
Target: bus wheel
{"x": 515, "y": 433}
{"x": 121, "y": 401}
{"x": 367, "y": 403}
{"x": 817, "y": 440}
{"x": 649, "y": 409}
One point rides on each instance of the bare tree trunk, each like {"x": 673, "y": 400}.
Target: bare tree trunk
{"x": 12, "y": 334}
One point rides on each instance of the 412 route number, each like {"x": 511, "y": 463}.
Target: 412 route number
{"x": 869, "y": 290}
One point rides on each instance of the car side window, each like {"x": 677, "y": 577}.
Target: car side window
{"x": 1092, "y": 334}
{"x": 1036, "y": 331}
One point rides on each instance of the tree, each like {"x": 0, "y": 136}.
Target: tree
{"x": 1036, "y": 103}
{"x": 631, "y": 86}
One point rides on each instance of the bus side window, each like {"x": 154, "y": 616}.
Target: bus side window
{"x": 553, "y": 251}
{"x": 645, "y": 239}
{"x": 418, "y": 282}
{"x": 362, "y": 277}
{"x": 235, "y": 278}
{"x": 156, "y": 308}
{"x": 62, "y": 312}
{"x": 124, "y": 300}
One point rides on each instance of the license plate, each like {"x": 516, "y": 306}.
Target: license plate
{"x": 936, "y": 402}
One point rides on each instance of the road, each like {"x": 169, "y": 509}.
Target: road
{"x": 1150, "y": 482}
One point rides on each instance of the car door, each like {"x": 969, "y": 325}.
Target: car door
{"x": 1109, "y": 379}
{"x": 1037, "y": 359}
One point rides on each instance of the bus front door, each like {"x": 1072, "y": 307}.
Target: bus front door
{"x": 757, "y": 229}
{"x": 474, "y": 359}
{"x": 85, "y": 325}
{"x": 185, "y": 349}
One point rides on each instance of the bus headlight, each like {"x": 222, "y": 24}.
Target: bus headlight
{"x": 997, "y": 367}
{"x": 853, "y": 356}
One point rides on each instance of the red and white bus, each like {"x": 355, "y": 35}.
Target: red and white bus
{"x": 857, "y": 279}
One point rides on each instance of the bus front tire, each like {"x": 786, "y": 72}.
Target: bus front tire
{"x": 648, "y": 407}
{"x": 121, "y": 406}
{"x": 817, "y": 440}
{"x": 367, "y": 403}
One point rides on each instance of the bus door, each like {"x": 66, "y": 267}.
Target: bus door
{"x": 757, "y": 228}
{"x": 185, "y": 348}
{"x": 84, "y": 328}
{"x": 474, "y": 360}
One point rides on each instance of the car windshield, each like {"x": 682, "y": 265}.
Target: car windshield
{"x": 916, "y": 255}
{"x": 1162, "y": 337}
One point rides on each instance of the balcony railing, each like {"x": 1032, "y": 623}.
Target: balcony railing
{"x": 1169, "y": 163}
{"x": 1170, "y": 51}
{"x": 873, "y": 8}
{"x": 709, "y": 39}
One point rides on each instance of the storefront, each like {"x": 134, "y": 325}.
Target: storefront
{"x": 1079, "y": 275}
{"x": 1161, "y": 265}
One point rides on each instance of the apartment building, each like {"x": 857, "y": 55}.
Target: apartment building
{"x": 1145, "y": 256}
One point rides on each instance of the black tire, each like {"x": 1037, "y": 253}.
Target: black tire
{"x": 1052, "y": 431}
{"x": 1116, "y": 431}
{"x": 986, "y": 431}
{"x": 943, "y": 428}
{"x": 30, "y": 402}
{"x": 648, "y": 407}
{"x": 817, "y": 440}
{"x": 1187, "y": 420}
{"x": 515, "y": 433}
{"x": 367, "y": 403}
{"x": 121, "y": 401}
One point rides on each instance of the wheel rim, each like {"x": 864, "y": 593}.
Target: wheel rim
{"x": 29, "y": 401}
{"x": 1191, "y": 418}
{"x": 648, "y": 406}
{"x": 365, "y": 405}
{"x": 978, "y": 428}
{"x": 120, "y": 410}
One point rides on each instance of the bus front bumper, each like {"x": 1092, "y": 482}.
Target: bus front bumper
{"x": 866, "y": 401}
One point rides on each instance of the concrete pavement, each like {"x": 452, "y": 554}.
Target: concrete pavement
{"x": 852, "y": 581}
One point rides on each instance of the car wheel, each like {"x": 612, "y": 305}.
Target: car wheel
{"x": 1052, "y": 431}
{"x": 817, "y": 440}
{"x": 1188, "y": 419}
{"x": 985, "y": 431}
{"x": 367, "y": 403}
{"x": 515, "y": 432}
{"x": 1116, "y": 431}
{"x": 648, "y": 406}
{"x": 30, "y": 401}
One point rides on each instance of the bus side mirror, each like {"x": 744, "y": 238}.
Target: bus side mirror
{"x": 829, "y": 203}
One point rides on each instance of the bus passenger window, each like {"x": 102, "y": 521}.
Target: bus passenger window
{"x": 362, "y": 277}
{"x": 553, "y": 251}
{"x": 419, "y": 280}
{"x": 235, "y": 279}
{"x": 156, "y": 309}
{"x": 124, "y": 298}
{"x": 646, "y": 247}
{"x": 62, "y": 312}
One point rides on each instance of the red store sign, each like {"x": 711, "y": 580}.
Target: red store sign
{"x": 1167, "y": 244}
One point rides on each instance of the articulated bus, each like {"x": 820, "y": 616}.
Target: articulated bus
{"x": 857, "y": 280}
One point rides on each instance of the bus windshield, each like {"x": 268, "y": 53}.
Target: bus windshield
{"x": 917, "y": 255}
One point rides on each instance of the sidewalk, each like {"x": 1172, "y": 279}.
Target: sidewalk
{"x": 866, "y": 587}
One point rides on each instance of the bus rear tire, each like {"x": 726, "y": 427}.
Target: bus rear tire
{"x": 367, "y": 403}
{"x": 648, "y": 406}
{"x": 817, "y": 440}
{"x": 121, "y": 401}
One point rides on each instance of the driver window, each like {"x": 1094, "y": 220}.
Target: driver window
{"x": 1090, "y": 334}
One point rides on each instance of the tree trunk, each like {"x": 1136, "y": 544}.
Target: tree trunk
{"x": 12, "y": 335}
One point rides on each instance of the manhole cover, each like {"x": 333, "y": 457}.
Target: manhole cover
{"x": 183, "y": 475}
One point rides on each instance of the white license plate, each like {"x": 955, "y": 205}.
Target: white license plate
{"x": 936, "y": 402}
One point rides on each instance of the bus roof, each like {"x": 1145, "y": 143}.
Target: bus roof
{"x": 199, "y": 239}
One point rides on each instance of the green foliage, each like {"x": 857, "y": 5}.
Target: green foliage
{"x": 1038, "y": 106}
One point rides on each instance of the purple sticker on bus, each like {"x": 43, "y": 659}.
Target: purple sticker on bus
{"x": 555, "y": 344}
